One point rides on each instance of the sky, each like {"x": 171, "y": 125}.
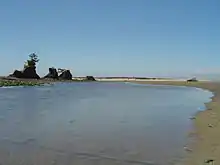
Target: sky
{"x": 112, "y": 37}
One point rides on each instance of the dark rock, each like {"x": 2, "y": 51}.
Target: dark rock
{"x": 209, "y": 161}
{"x": 52, "y": 73}
{"x": 90, "y": 78}
{"x": 65, "y": 75}
{"x": 29, "y": 72}
{"x": 192, "y": 80}
{"x": 17, "y": 74}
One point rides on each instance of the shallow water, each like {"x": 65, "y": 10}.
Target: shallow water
{"x": 96, "y": 123}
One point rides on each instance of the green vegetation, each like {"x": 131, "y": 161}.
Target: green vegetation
{"x": 33, "y": 59}
{"x": 18, "y": 83}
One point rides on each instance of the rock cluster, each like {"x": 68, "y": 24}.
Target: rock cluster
{"x": 52, "y": 73}
{"x": 28, "y": 72}
{"x": 64, "y": 74}
{"x": 90, "y": 78}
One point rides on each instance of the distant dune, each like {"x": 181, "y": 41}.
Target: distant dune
{"x": 140, "y": 79}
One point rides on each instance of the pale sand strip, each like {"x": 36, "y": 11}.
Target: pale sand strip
{"x": 142, "y": 80}
{"x": 206, "y": 149}
{"x": 130, "y": 79}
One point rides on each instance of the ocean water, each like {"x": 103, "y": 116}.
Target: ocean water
{"x": 96, "y": 123}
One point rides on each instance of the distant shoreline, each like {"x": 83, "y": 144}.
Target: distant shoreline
{"x": 12, "y": 81}
{"x": 140, "y": 79}
{"x": 206, "y": 148}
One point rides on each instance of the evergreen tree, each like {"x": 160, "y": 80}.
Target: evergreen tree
{"x": 33, "y": 59}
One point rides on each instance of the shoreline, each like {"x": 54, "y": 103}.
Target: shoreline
{"x": 11, "y": 81}
{"x": 205, "y": 145}
{"x": 205, "y": 148}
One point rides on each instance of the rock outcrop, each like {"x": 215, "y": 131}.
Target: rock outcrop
{"x": 90, "y": 78}
{"x": 52, "y": 73}
{"x": 65, "y": 75}
{"x": 192, "y": 80}
{"x": 29, "y": 73}
{"x": 17, "y": 74}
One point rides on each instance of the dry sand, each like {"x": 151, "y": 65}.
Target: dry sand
{"x": 206, "y": 148}
{"x": 134, "y": 79}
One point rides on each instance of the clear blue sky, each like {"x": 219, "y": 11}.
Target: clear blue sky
{"x": 112, "y": 37}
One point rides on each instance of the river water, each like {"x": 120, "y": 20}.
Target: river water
{"x": 96, "y": 123}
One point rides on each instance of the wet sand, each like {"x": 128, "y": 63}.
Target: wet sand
{"x": 206, "y": 147}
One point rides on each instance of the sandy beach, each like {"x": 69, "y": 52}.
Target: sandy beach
{"x": 206, "y": 148}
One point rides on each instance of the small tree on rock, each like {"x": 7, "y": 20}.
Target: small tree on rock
{"x": 33, "y": 59}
